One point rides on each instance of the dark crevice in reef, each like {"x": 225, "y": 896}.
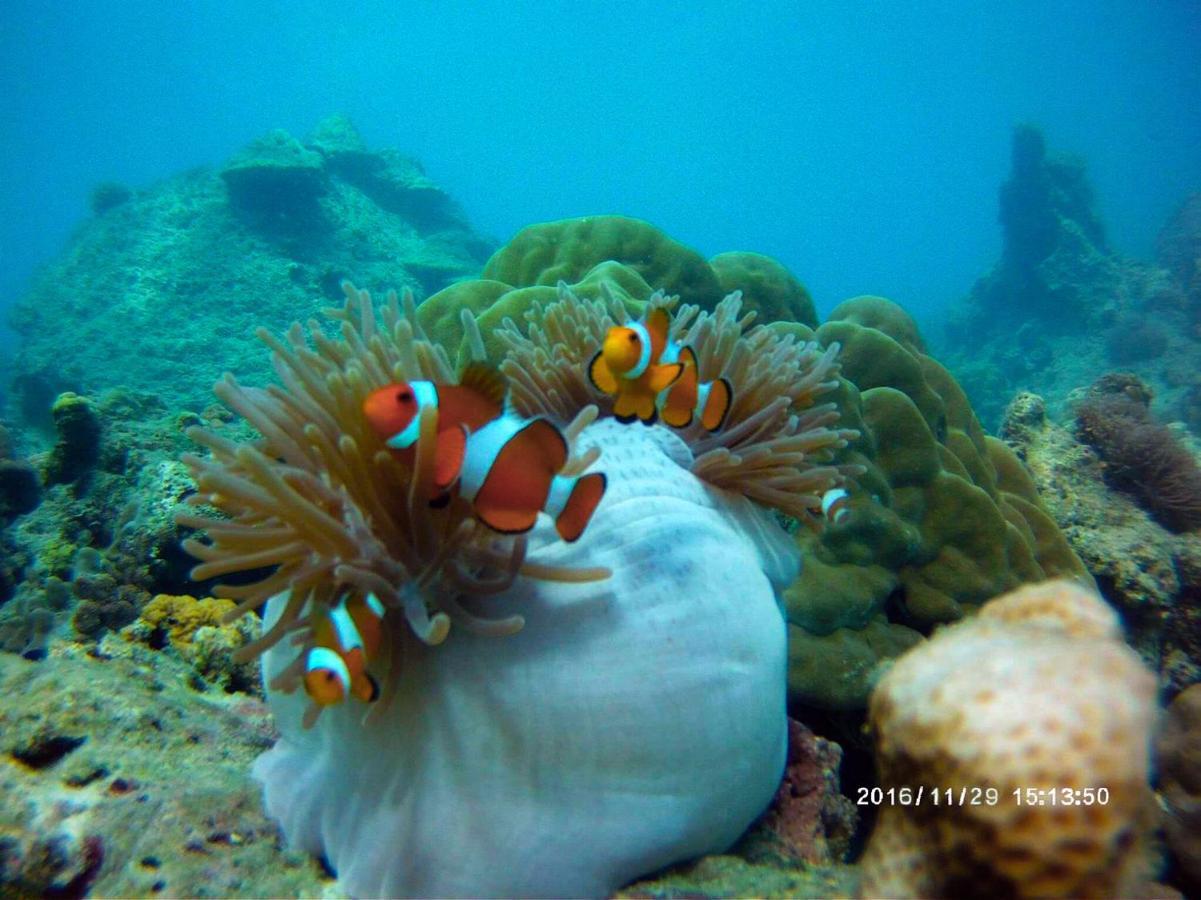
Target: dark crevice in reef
{"x": 44, "y": 751}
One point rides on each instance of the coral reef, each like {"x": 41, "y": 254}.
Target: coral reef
{"x": 1178, "y": 249}
{"x": 943, "y": 518}
{"x": 628, "y": 258}
{"x": 1151, "y": 575}
{"x": 1060, "y": 307}
{"x": 587, "y": 646}
{"x": 1141, "y": 456}
{"x": 903, "y": 562}
{"x": 161, "y": 293}
{"x": 195, "y": 629}
{"x": 136, "y": 787}
{"x": 809, "y": 822}
{"x": 1036, "y": 695}
{"x": 78, "y": 446}
{"x": 1178, "y": 753}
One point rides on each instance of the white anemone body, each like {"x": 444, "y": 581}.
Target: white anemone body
{"x": 632, "y": 723}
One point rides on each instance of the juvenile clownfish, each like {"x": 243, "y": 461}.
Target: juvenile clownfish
{"x": 688, "y": 398}
{"x": 835, "y": 505}
{"x": 511, "y": 473}
{"x": 345, "y": 639}
{"x": 393, "y": 413}
{"x": 628, "y": 366}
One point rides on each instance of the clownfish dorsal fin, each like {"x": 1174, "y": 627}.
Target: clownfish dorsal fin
{"x": 541, "y": 437}
{"x": 657, "y": 322}
{"x": 486, "y": 380}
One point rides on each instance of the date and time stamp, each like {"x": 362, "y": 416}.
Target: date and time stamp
{"x": 922, "y": 795}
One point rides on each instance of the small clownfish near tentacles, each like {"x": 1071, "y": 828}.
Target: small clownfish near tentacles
{"x": 688, "y": 398}
{"x": 345, "y": 639}
{"x": 835, "y": 505}
{"x": 629, "y": 366}
{"x": 394, "y": 411}
{"x": 511, "y": 473}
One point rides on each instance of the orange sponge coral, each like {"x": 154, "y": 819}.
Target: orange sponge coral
{"x": 1023, "y": 737}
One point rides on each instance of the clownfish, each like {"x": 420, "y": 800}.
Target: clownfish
{"x": 835, "y": 505}
{"x": 393, "y": 413}
{"x": 629, "y": 366}
{"x": 345, "y": 639}
{"x": 511, "y": 473}
{"x": 688, "y": 398}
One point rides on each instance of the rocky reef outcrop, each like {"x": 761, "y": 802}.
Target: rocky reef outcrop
{"x": 160, "y": 290}
{"x": 1061, "y": 306}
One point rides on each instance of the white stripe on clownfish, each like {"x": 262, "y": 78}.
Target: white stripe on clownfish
{"x": 834, "y": 504}
{"x": 325, "y": 658}
{"x": 425, "y": 393}
{"x": 644, "y": 358}
{"x": 483, "y": 447}
{"x": 345, "y": 631}
{"x": 560, "y": 492}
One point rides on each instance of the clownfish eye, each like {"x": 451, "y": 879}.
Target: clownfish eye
{"x": 632, "y": 337}
{"x": 404, "y": 397}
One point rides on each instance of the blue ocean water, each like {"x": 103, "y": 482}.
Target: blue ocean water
{"x": 860, "y": 144}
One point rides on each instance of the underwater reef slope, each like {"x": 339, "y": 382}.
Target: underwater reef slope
{"x": 641, "y": 673}
{"x": 1061, "y": 307}
{"x": 161, "y": 289}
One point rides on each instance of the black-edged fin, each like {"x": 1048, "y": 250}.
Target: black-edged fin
{"x": 600, "y": 375}
{"x": 486, "y": 380}
{"x": 374, "y": 687}
{"x": 581, "y": 504}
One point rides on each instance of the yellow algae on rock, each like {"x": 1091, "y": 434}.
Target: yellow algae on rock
{"x": 193, "y": 627}
{"x": 1027, "y": 729}
{"x": 180, "y": 615}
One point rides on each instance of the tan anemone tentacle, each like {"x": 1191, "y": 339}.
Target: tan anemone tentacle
{"x": 326, "y": 511}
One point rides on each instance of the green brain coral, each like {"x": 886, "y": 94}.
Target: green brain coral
{"x": 628, "y": 257}
{"x": 944, "y": 518}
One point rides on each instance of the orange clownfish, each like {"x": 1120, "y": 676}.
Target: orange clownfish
{"x": 511, "y": 473}
{"x": 688, "y": 398}
{"x": 393, "y": 413}
{"x": 628, "y": 366}
{"x": 345, "y": 639}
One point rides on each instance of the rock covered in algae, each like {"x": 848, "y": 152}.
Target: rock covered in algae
{"x": 632, "y": 723}
{"x": 1179, "y": 760}
{"x": 118, "y": 779}
{"x": 1029, "y": 728}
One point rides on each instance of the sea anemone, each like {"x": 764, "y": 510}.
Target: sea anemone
{"x": 776, "y": 442}
{"x": 1141, "y": 456}
{"x": 601, "y": 708}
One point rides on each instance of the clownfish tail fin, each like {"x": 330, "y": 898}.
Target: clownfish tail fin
{"x": 717, "y": 404}
{"x": 487, "y": 381}
{"x": 576, "y": 512}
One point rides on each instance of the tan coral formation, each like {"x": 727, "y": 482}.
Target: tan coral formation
{"x": 1036, "y": 694}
